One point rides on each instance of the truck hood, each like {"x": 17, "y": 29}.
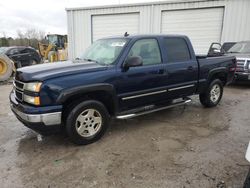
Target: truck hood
{"x": 52, "y": 70}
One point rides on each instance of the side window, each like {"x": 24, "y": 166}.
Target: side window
{"x": 14, "y": 51}
{"x": 24, "y": 50}
{"x": 177, "y": 49}
{"x": 148, "y": 50}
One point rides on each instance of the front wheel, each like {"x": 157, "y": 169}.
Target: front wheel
{"x": 212, "y": 96}
{"x": 87, "y": 122}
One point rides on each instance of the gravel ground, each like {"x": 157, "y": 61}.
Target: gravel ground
{"x": 186, "y": 146}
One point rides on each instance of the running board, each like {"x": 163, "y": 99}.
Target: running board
{"x": 128, "y": 116}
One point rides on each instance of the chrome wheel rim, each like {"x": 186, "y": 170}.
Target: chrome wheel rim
{"x": 215, "y": 93}
{"x": 88, "y": 123}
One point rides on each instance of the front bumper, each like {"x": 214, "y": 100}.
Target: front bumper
{"x": 45, "y": 120}
{"x": 242, "y": 76}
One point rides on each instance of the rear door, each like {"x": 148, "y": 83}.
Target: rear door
{"x": 181, "y": 66}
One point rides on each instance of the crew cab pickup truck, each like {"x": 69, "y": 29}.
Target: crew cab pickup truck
{"x": 117, "y": 77}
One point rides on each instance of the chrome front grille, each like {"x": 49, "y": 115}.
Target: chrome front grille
{"x": 248, "y": 65}
{"x": 19, "y": 85}
{"x": 18, "y": 89}
{"x": 241, "y": 63}
{"x": 19, "y": 95}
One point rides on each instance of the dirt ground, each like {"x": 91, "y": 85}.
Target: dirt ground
{"x": 187, "y": 146}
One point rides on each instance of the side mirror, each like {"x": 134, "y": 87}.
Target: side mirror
{"x": 133, "y": 61}
{"x": 215, "y": 50}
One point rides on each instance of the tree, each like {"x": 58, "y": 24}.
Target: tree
{"x": 28, "y": 37}
{"x": 4, "y": 42}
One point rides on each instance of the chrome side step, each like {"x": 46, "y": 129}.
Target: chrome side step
{"x": 128, "y": 116}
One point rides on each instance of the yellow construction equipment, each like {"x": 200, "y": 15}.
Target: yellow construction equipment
{"x": 7, "y": 67}
{"x": 55, "y": 49}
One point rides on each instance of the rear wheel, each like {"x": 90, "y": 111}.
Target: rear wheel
{"x": 213, "y": 94}
{"x": 87, "y": 122}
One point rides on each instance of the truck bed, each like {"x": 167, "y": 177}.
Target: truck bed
{"x": 206, "y": 64}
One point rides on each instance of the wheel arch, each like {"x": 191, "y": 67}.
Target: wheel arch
{"x": 104, "y": 93}
{"x": 218, "y": 73}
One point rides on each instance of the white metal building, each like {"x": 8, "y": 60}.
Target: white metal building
{"x": 204, "y": 21}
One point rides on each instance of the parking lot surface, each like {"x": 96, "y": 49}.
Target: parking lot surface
{"x": 186, "y": 146}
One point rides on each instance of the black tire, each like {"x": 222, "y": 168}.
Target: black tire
{"x": 205, "y": 98}
{"x": 72, "y": 122}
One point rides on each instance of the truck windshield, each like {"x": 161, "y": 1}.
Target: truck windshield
{"x": 240, "y": 47}
{"x": 52, "y": 39}
{"x": 104, "y": 51}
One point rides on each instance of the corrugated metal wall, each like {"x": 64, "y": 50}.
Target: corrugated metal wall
{"x": 236, "y": 26}
{"x": 236, "y": 23}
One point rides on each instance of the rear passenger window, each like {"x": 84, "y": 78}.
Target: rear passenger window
{"x": 177, "y": 50}
{"x": 24, "y": 50}
{"x": 14, "y": 51}
{"x": 148, "y": 50}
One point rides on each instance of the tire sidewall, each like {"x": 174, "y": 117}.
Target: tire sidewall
{"x": 214, "y": 82}
{"x": 74, "y": 113}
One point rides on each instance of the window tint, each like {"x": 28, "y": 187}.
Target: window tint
{"x": 177, "y": 49}
{"x": 148, "y": 50}
{"x": 14, "y": 51}
{"x": 24, "y": 50}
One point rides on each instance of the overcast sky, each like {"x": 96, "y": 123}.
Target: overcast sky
{"x": 45, "y": 15}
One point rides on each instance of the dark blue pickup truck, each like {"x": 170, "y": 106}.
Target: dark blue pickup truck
{"x": 119, "y": 77}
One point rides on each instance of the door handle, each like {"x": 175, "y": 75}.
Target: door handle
{"x": 190, "y": 68}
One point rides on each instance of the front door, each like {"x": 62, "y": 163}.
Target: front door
{"x": 143, "y": 85}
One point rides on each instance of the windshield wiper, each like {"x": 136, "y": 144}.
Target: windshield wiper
{"x": 91, "y": 60}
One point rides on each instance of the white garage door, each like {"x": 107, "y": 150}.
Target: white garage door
{"x": 115, "y": 24}
{"x": 202, "y": 26}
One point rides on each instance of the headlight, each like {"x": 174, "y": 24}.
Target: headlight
{"x": 33, "y": 86}
{"x": 31, "y": 99}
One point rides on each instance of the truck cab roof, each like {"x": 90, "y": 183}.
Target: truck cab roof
{"x": 138, "y": 36}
